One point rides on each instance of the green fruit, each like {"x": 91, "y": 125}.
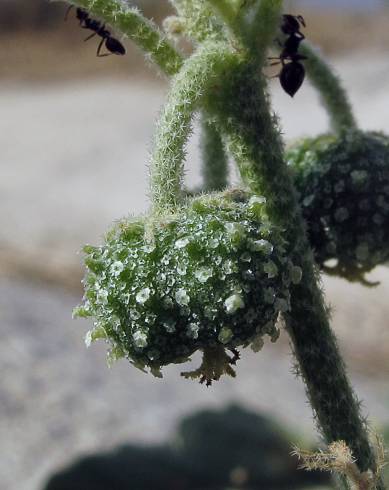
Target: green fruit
{"x": 343, "y": 186}
{"x": 212, "y": 277}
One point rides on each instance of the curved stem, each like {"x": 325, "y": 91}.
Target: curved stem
{"x": 199, "y": 72}
{"x": 263, "y": 27}
{"x": 257, "y": 149}
{"x": 244, "y": 116}
{"x": 329, "y": 86}
{"x": 142, "y": 31}
{"x": 214, "y": 158}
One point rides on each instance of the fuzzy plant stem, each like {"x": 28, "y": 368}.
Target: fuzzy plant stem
{"x": 199, "y": 72}
{"x": 200, "y": 24}
{"x": 329, "y": 86}
{"x": 138, "y": 28}
{"x": 198, "y": 21}
{"x": 244, "y": 116}
{"x": 257, "y": 149}
{"x": 214, "y": 158}
{"x": 227, "y": 13}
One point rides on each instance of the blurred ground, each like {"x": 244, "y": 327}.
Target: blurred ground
{"x": 74, "y": 139}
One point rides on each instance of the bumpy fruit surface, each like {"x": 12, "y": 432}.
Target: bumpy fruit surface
{"x": 343, "y": 184}
{"x": 213, "y": 277}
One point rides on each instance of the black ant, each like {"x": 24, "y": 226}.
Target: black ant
{"x": 293, "y": 72}
{"x": 111, "y": 43}
{"x": 291, "y": 24}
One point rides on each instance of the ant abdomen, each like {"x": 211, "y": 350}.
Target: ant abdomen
{"x": 115, "y": 46}
{"x": 291, "y": 77}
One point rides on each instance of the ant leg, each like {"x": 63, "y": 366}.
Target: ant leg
{"x": 99, "y": 55}
{"x": 301, "y": 19}
{"x": 67, "y": 12}
{"x": 89, "y": 37}
{"x": 278, "y": 42}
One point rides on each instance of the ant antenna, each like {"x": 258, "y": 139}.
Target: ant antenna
{"x": 67, "y": 12}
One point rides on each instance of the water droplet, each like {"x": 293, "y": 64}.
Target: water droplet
{"x": 359, "y": 177}
{"x": 182, "y": 297}
{"x": 245, "y": 257}
{"x": 248, "y": 276}
{"x": 308, "y": 200}
{"x": 149, "y": 248}
{"x": 362, "y": 251}
{"x": 282, "y": 305}
{"x": 143, "y": 295}
{"x": 185, "y": 311}
{"x": 218, "y": 260}
{"x": 140, "y": 339}
{"x": 233, "y": 303}
{"x": 182, "y": 242}
{"x": 170, "y": 325}
{"x": 261, "y": 246}
{"x": 210, "y": 312}
{"x": 181, "y": 269}
{"x": 339, "y": 186}
{"x": 382, "y": 203}
{"x": 229, "y": 267}
{"x": 193, "y": 330}
{"x": 269, "y": 296}
{"x": 341, "y": 214}
{"x": 203, "y": 274}
{"x": 225, "y": 335}
{"x": 167, "y": 302}
{"x": 170, "y": 281}
{"x": 235, "y": 230}
{"x": 134, "y": 314}
{"x": 271, "y": 269}
{"x": 378, "y": 219}
{"x": 213, "y": 243}
{"x": 256, "y": 200}
{"x": 345, "y": 169}
{"x": 116, "y": 268}
{"x": 102, "y": 297}
{"x": 296, "y": 274}
{"x": 364, "y": 205}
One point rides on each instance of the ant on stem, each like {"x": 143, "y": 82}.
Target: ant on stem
{"x": 293, "y": 72}
{"x": 112, "y": 44}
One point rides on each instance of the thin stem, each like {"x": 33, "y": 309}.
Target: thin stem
{"x": 329, "y": 86}
{"x": 199, "y": 72}
{"x": 225, "y": 9}
{"x": 262, "y": 29}
{"x": 214, "y": 158}
{"x": 138, "y": 28}
{"x": 232, "y": 16}
{"x": 199, "y": 21}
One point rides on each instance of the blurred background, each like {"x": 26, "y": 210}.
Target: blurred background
{"x": 75, "y": 131}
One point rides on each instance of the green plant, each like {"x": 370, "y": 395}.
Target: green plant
{"x": 343, "y": 184}
{"x": 223, "y": 79}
